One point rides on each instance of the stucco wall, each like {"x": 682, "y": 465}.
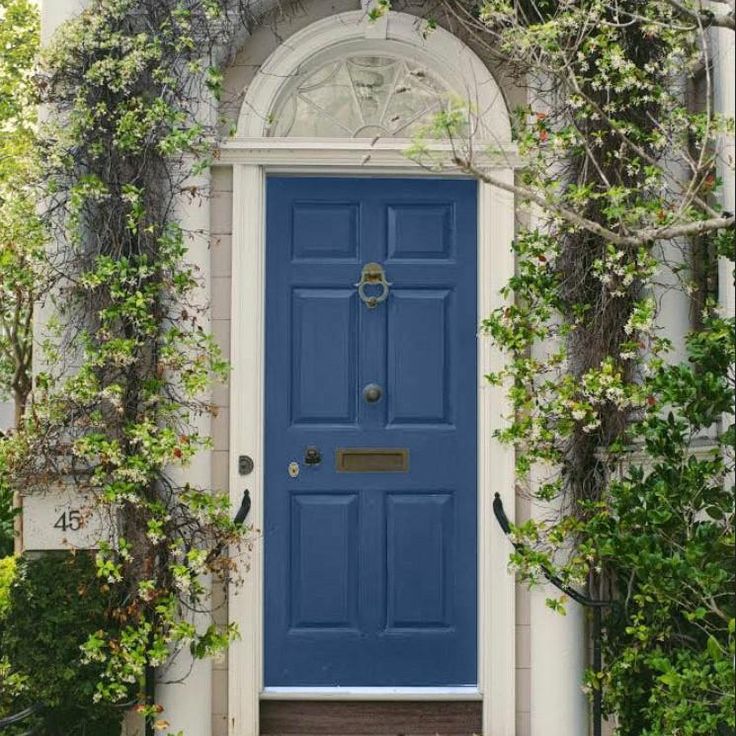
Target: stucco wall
{"x": 220, "y": 263}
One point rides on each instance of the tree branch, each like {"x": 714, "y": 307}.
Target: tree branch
{"x": 571, "y": 216}
{"x": 687, "y": 229}
{"x": 645, "y": 235}
{"x": 707, "y": 17}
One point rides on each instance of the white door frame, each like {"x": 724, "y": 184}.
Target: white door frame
{"x": 252, "y": 156}
{"x": 496, "y": 589}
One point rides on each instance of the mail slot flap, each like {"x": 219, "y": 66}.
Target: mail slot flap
{"x": 372, "y": 460}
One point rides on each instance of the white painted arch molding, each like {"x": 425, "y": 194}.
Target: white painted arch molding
{"x": 396, "y": 34}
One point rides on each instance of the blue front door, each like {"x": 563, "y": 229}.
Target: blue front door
{"x": 370, "y": 478}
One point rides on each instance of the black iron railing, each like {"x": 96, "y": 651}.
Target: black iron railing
{"x": 23, "y": 716}
{"x": 44, "y": 725}
{"x": 596, "y": 606}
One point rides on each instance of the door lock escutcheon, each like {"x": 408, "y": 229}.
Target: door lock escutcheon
{"x": 312, "y": 456}
{"x": 373, "y": 275}
{"x": 245, "y": 465}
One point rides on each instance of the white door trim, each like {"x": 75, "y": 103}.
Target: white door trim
{"x": 496, "y": 588}
{"x": 252, "y": 154}
{"x": 371, "y": 693}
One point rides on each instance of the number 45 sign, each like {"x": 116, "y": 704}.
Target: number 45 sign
{"x": 65, "y": 519}
{"x": 71, "y": 520}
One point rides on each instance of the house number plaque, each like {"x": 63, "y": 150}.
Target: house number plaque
{"x": 65, "y": 519}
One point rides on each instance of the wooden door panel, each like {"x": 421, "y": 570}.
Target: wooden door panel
{"x": 370, "y": 570}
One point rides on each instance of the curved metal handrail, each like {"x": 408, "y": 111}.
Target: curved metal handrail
{"x": 577, "y": 596}
{"x": 21, "y": 716}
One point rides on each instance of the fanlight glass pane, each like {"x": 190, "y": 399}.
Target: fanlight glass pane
{"x": 361, "y": 97}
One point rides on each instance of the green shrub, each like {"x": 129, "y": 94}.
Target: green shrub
{"x": 55, "y": 603}
{"x": 7, "y": 516}
{"x": 7, "y": 575}
{"x": 666, "y": 536}
{"x": 8, "y": 685}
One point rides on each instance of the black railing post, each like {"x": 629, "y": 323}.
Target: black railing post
{"x": 597, "y": 669}
{"x": 150, "y": 692}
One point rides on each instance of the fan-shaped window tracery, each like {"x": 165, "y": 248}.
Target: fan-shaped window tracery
{"x": 361, "y": 97}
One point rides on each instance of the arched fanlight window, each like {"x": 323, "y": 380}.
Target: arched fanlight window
{"x": 360, "y": 96}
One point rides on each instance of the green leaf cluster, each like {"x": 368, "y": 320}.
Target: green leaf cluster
{"x": 131, "y": 363}
{"x": 21, "y": 235}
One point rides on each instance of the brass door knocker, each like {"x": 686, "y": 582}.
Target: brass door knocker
{"x": 373, "y": 275}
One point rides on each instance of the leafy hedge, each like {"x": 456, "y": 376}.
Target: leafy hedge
{"x": 7, "y": 516}
{"x": 666, "y": 536}
{"x": 55, "y": 603}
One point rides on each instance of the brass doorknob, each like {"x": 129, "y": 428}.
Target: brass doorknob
{"x": 372, "y": 393}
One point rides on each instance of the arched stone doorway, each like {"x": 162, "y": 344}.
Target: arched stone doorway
{"x": 342, "y": 98}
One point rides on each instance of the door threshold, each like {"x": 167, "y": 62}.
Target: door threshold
{"x": 469, "y": 692}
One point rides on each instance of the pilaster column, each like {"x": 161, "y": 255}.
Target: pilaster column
{"x": 185, "y": 687}
{"x": 558, "y": 644}
{"x": 53, "y": 14}
{"x": 723, "y": 43}
{"x": 559, "y": 707}
{"x": 56, "y": 12}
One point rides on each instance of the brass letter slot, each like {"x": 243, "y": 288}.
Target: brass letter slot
{"x": 372, "y": 460}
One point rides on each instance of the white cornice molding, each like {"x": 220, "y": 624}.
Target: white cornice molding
{"x": 353, "y": 152}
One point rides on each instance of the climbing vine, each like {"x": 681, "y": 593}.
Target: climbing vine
{"x": 128, "y": 360}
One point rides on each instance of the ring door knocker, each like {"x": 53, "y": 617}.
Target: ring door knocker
{"x": 373, "y": 275}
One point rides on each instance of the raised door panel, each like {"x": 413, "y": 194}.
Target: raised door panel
{"x": 419, "y": 541}
{"x": 324, "y": 561}
{"x": 418, "y": 231}
{"x": 324, "y": 354}
{"x": 419, "y": 366}
{"x": 325, "y": 231}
